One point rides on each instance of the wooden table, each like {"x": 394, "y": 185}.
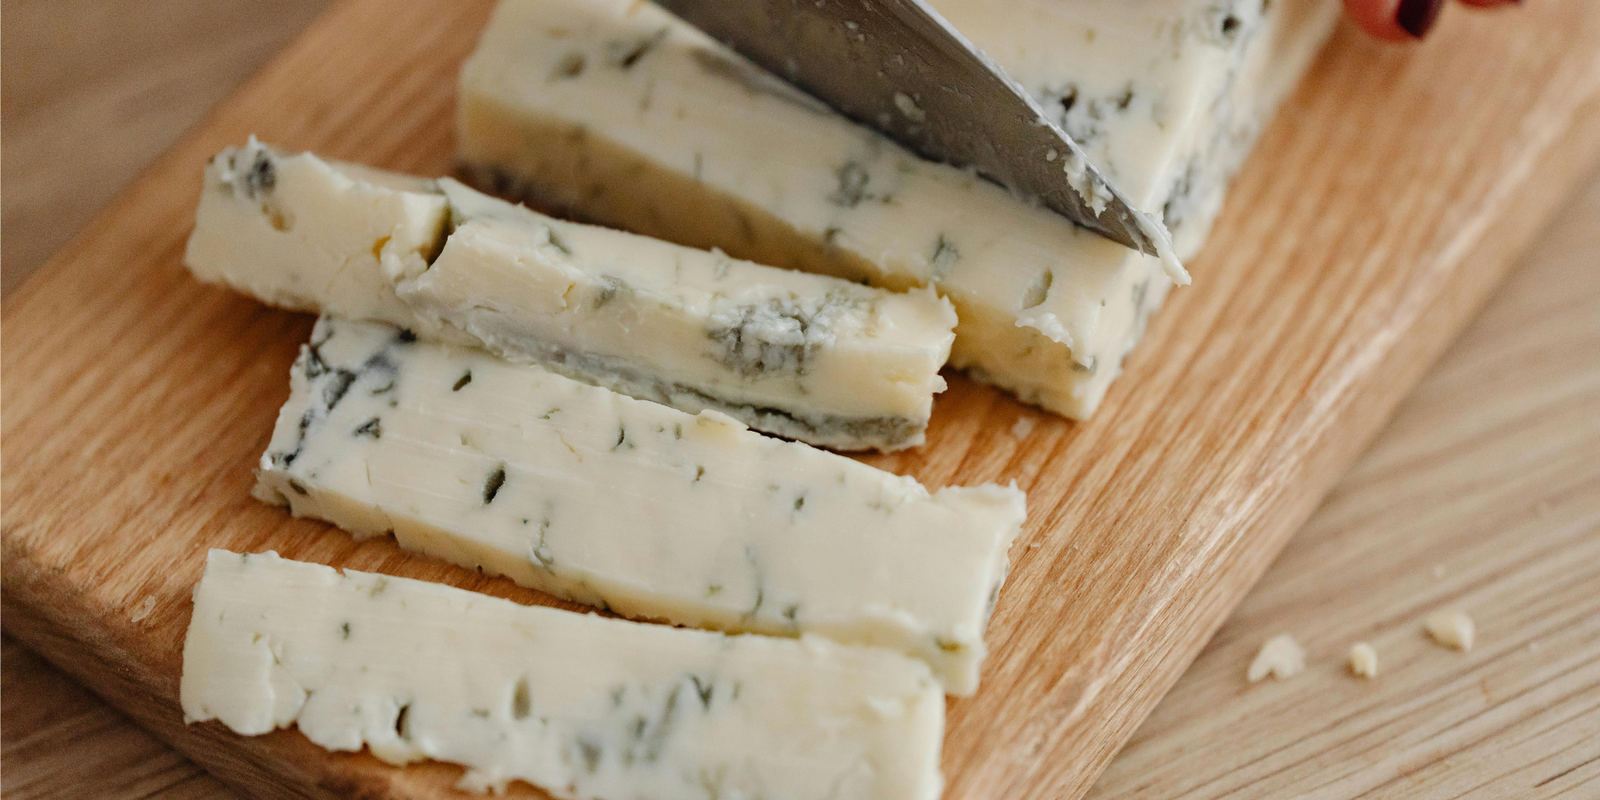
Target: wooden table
{"x": 1482, "y": 494}
{"x": 1485, "y": 491}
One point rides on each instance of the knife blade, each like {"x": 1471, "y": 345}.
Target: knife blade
{"x": 899, "y": 67}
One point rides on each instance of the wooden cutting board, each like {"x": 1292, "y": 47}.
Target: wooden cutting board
{"x": 1383, "y": 205}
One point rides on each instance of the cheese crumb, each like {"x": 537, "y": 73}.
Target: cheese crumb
{"x": 909, "y": 107}
{"x": 1281, "y": 657}
{"x": 1363, "y": 660}
{"x": 1023, "y": 426}
{"x": 1452, "y": 629}
{"x": 142, "y": 611}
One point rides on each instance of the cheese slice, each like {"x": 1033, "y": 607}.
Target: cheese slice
{"x": 811, "y": 357}
{"x": 633, "y": 506}
{"x": 579, "y": 705}
{"x": 615, "y": 111}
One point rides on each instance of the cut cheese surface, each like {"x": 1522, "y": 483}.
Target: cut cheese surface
{"x": 807, "y": 356}
{"x": 811, "y": 357}
{"x": 633, "y": 506}
{"x": 615, "y": 111}
{"x": 582, "y": 706}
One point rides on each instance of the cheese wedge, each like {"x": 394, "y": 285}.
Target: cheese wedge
{"x": 810, "y": 357}
{"x": 579, "y": 705}
{"x": 617, "y": 112}
{"x": 632, "y": 506}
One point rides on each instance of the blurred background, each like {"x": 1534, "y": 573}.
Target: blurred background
{"x": 92, "y": 90}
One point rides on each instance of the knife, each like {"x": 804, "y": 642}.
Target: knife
{"x": 899, "y": 67}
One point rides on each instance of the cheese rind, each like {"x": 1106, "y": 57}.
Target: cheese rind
{"x": 579, "y": 705}
{"x": 811, "y": 357}
{"x": 568, "y": 100}
{"x": 633, "y": 506}
{"x": 806, "y": 356}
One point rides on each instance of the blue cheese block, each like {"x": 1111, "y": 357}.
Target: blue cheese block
{"x": 811, "y": 357}
{"x": 576, "y": 704}
{"x": 617, "y": 112}
{"x": 633, "y": 506}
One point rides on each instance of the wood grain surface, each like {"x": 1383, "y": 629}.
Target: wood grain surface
{"x": 1483, "y": 494}
{"x": 60, "y": 741}
{"x": 138, "y": 399}
{"x": 72, "y": 71}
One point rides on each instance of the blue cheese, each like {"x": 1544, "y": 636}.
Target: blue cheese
{"x": 1165, "y": 96}
{"x": 617, "y": 112}
{"x": 579, "y": 705}
{"x": 811, "y": 357}
{"x": 632, "y": 506}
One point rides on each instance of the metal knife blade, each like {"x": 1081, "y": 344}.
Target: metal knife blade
{"x": 899, "y": 67}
